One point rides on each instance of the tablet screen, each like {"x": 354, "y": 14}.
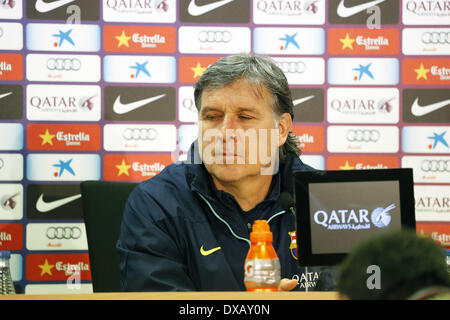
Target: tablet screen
{"x": 344, "y": 213}
{"x": 337, "y": 209}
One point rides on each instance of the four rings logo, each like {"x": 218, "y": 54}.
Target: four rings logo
{"x": 63, "y": 64}
{"x": 140, "y": 134}
{"x": 292, "y": 66}
{"x": 214, "y": 36}
{"x": 435, "y": 165}
{"x": 66, "y": 233}
{"x": 436, "y": 37}
{"x": 363, "y": 135}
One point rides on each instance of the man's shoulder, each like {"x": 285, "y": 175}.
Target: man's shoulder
{"x": 171, "y": 187}
{"x": 298, "y": 165}
{"x": 165, "y": 195}
{"x": 171, "y": 179}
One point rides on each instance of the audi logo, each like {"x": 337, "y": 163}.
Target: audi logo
{"x": 65, "y": 64}
{"x": 214, "y": 36}
{"x": 435, "y": 165}
{"x": 140, "y": 134}
{"x": 436, "y": 37}
{"x": 63, "y": 233}
{"x": 1, "y": 163}
{"x": 292, "y": 66}
{"x": 363, "y": 135}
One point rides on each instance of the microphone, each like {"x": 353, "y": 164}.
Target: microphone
{"x": 287, "y": 203}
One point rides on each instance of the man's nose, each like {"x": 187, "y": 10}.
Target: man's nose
{"x": 228, "y": 129}
{"x": 229, "y": 123}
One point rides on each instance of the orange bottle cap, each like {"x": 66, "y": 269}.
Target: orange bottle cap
{"x": 261, "y": 231}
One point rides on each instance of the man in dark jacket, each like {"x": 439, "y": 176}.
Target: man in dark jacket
{"x": 188, "y": 228}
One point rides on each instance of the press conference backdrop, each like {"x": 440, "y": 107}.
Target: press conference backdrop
{"x": 102, "y": 90}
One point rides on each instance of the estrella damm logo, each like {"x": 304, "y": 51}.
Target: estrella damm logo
{"x": 139, "y": 39}
{"x": 293, "y": 245}
{"x": 363, "y": 41}
{"x": 427, "y": 71}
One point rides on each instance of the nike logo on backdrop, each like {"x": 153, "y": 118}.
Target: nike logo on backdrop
{"x": 121, "y": 108}
{"x": 5, "y": 95}
{"x": 419, "y": 110}
{"x": 208, "y": 252}
{"x": 300, "y": 101}
{"x": 195, "y": 10}
{"x": 346, "y": 12}
{"x": 44, "y": 7}
{"x": 43, "y": 206}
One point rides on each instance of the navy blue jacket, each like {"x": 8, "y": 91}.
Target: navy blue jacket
{"x": 172, "y": 222}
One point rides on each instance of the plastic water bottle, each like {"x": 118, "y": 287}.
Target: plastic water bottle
{"x": 6, "y": 283}
{"x": 262, "y": 266}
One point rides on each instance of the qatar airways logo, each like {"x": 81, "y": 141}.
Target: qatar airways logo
{"x": 293, "y": 12}
{"x": 345, "y": 219}
{"x": 62, "y": 103}
{"x": 288, "y": 7}
{"x": 129, "y": 5}
{"x": 362, "y": 106}
{"x": 156, "y": 11}
{"x": 138, "y": 5}
{"x": 437, "y": 8}
{"x": 433, "y": 203}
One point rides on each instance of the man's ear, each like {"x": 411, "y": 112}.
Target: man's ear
{"x": 284, "y": 127}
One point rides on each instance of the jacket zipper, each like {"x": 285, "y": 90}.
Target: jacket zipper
{"x": 226, "y": 223}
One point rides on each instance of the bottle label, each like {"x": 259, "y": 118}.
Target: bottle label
{"x": 262, "y": 272}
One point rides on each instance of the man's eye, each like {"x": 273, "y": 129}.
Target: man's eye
{"x": 210, "y": 117}
{"x": 244, "y": 117}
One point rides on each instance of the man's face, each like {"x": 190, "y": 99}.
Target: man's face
{"x": 237, "y": 131}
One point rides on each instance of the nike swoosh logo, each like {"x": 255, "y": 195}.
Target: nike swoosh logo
{"x": 419, "y": 110}
{"x": 300, "y": 101}
{"x": 346, "y": 12}
{"x": 121, "y": 108}
{"x": 195, "y": 10}
{"x": 5, "y": 95}
{"x": 208, "y": 252}
{"x": 43, "y": 206}
{"x": 44, "y": 7}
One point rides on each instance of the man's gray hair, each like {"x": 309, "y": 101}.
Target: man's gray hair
{"x": 259, "y": 71}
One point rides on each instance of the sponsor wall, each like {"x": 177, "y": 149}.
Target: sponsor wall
{"x": 102, "y": 90}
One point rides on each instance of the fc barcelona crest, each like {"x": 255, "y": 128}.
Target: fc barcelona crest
{"x": 293, "y": 246}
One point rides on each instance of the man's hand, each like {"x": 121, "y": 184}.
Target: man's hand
{"x": 287, "y": 284}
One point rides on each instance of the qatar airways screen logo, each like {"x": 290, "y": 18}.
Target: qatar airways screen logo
{"x": 345, "y": 219}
